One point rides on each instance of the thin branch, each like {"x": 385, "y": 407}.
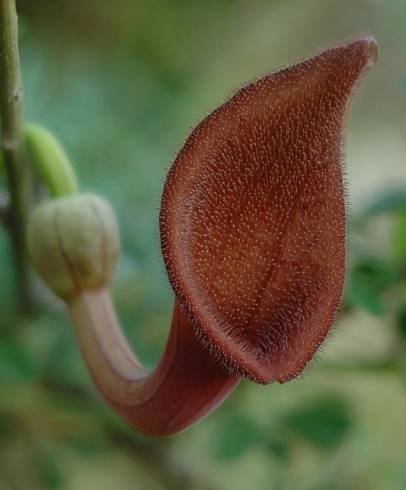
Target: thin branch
{"x": 5, "y": 209}
{"x": 12, "y": 143}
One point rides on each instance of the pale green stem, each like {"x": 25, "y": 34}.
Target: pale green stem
{"x": 12, "y": 144}
{"x": 51, "y": 161}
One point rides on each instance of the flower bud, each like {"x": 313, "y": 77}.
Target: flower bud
{"x": 74, "y": 243}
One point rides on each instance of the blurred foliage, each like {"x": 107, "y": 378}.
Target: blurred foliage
{"x": 369, "y": 279}
{"x": 121, "y": 85}
{"x": 322, "y": 423}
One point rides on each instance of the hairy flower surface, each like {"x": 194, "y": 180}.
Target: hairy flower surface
{"x": 253, "y": 215}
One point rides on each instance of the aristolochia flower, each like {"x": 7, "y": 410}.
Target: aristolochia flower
{"x": 253, "y": 238}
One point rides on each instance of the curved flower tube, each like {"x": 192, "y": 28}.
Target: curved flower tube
{"x": 73, "y": 242}
{"x": 186, "y": 385}
{"x": 252, "y": 229}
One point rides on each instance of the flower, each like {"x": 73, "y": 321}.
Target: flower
{"x": 252, "y": 227}
{"x": 253, "y": 216}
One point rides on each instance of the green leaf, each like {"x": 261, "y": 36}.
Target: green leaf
{"x": 323, "y": 422}
{"x": 368, "y": 280}
{"x": 277, "y": 447}
{"x": 235, "y": 436}
{"x": 399, "y": 239}
{"x": 401, "y": 322}
{"x": 47, "y": 466}
{"x": 16, "y": 363}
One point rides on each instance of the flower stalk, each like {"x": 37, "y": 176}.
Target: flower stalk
{"x": 51, "y": 161}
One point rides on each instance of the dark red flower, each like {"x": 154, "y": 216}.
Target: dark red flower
{"x": 253, "y": 216}
{"x": 253, "y": 237}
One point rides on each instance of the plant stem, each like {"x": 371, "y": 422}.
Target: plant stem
{"x": 12, "y": 144}
{"x": 51, "y": 161}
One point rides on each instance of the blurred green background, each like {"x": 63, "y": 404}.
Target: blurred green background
{"x": 121, "y": 84}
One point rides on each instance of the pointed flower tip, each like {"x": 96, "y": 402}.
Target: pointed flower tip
{"x": 369, "y": 50}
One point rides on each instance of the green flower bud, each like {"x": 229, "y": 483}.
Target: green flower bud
{"x": 74, "y": 243}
